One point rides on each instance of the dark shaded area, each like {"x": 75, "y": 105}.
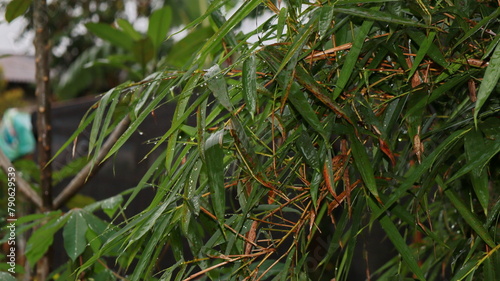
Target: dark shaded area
{"x": 119, "y": 173}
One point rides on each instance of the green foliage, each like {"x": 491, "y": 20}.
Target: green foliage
{"x": 357, "y": 113}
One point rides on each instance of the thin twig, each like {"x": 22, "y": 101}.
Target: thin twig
{"x": 23, "y": 185}
{"x": 92, "y": 167}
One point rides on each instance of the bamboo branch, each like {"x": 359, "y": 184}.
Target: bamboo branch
{"x": 23, "y": 185}
{"x": 92, "y": 167}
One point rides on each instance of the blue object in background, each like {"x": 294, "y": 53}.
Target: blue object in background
{"x": 16, "y": 134}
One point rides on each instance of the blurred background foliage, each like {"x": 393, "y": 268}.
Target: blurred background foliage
{"x": 287, "y": 150}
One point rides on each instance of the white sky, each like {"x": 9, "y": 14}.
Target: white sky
{"x": 10, "y": 39}
{"x": 12, "y": 43}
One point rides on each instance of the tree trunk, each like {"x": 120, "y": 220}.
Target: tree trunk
{"x": 42, "y": 50}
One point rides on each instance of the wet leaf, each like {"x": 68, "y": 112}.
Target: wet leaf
{"x": 214, "y": 161}
{"x": 490, "y": 81}
{"x": 249, "y": 77}
{"x": 74, "y": 234}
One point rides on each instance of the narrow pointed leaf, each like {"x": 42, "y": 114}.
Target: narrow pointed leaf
{"x": 217, "y": 83}
{"x": 249, "y": 76}
{"x": 468, "y": 216}
{"x": 352, "y": 58}
{"x": 398, "y": 241}
{"x": 127, "y": 27}
{"x": 159, "y": 24}
{"x": 422, "y": 51}
{"x": 364, "y": 165}
{"x": 214, "y": 161}
{"x": 110, "y": 34}
{"x": 376, "y": 15}
{"x": 490, "y": 81}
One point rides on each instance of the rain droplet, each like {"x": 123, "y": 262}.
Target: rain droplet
{"x": 141, "y": 133}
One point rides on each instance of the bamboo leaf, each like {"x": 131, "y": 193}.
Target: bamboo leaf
{"x": 424, "y": 48}
{"x": 127, "y": 27}
{"x": 110, "y": 34}
{"x": 468, "y": 216}
{"x": 214, "y": 161}
{"x": 478, "y": 26}
{"x": 427, "y": 47}
{"x": 376, "y": 15}
{"x": 352, "y": 58}
{"x": 217, "y": 83}
{"x": 479, "y": 177}
{"x": 159, "y": 24}
{"x": 414, "y": 175}
{"x": 237, "y": 17}
{"x": 490, "y": 80}
{"x": 249, "y": 77}
{"x": 364, "y": 165}
{"x": 398, "y": 241}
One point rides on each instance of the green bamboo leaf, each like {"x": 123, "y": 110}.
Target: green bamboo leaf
{"x": 480, "y": 25}
{"x": 281, "y": 23}
{"x": 364, "y": 165}
{"x": 468, "y": 216}
{"x": 127, "y": 27}
{"x": 352, "y": 57}
{"x": 398, "y": 241}
{"x": 473, "y": 143}
{"x": 307, "y": 81}
{"x": 93, "y": 239}
{"x": 86, "y": 120}
{"x": 438, "y": 92}
{"x": 235, "y": 19}
{"x": 480, "y": 156}
{"x": 182, "y": 51}
{"x": 376, "y": 15}
{"x": 306, "y": 147}
{"x": 217, "y": 84}
{"x": 414, "y": 175}
{"x": 151, "y": 250}
{"x": 180, "y": 110}
{"x": 214, "y": 162}
{"x": 147, "y": 223}
{"x": 159, "y": 24}
{"x": 97, "y": 133}
{"x": 74, "y": 233}
{"x": 300, "y": 102}
{"x": 427, "y": 47}
{"x": 16, "y": 8}
{"x": 298, "y": 43}
{"x": 133, "y": 127}
{"x": 422, "y": 52}
{"x": 325, "y": 20}
{"x": 249, "y": 80}
{"x": 490, "y": 81}
{"x": 110, "y": 34}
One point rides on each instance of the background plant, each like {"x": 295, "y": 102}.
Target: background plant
{"x": 341, "y": 116}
